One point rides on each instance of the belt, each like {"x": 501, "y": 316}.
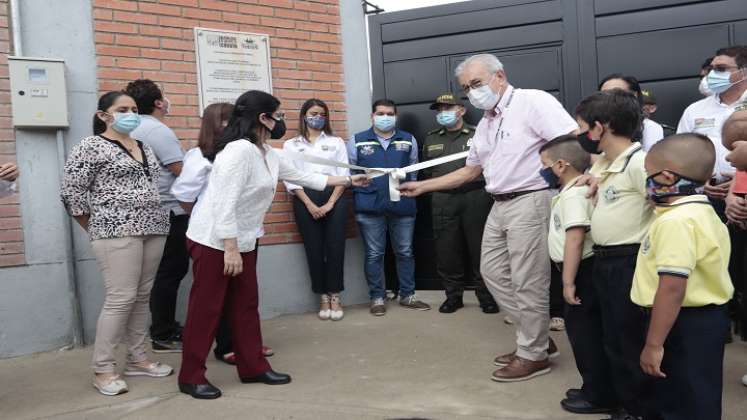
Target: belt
{"x": 512, "y": 195}
{"x": 616, "y": 250}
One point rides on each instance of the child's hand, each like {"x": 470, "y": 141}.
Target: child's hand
{"x": 569, "y": 294}
{"x": 651, "y": 357}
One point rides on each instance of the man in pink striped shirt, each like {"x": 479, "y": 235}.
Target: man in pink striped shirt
{"x": 505, "y": 149}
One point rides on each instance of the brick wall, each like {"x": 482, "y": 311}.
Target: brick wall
{"x": 11, "y": 235}
{"x": 154, "y": 39}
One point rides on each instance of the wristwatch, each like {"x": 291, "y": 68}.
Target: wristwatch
{"x": 348, "y": 181}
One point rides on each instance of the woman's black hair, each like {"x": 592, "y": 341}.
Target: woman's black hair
{"x": 633, "y": 85}
{"x": 105, "y": 102}
{"x": 245, "y": 119}
{"x": 304, "y": 128}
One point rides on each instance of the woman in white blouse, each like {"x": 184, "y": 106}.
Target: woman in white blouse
{"x": 222, "y": 237}
{"x": 321, "y": 215}
{"x": 187, "y": 189}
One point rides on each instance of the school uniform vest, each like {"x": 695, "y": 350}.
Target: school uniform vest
{"x": 374, "y": 199}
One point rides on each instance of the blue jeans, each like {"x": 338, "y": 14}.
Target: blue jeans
{"x": 373, "y": 229}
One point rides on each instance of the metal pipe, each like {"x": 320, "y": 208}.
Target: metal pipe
{"x": 67, "y": 225}
{"x": 15, "y": 23}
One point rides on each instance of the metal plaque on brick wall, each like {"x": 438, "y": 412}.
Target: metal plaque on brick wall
{"x": 230, "y": 63}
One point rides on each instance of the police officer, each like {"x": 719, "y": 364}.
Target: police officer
{"x": 458, "y": 215}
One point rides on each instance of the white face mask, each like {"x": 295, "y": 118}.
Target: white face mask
{"x": 167, "y": 106}
{"x": 703, "y": 87}
{"x": 483, "y": 97}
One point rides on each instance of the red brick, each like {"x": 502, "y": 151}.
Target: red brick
{"x": 273, "y": 240}
{"x": 114, "y": 73}
{"x": 333, "y": 38}
{"x": 312, "y": 26}
{"x": 138, "y": 63}
{"x": 278, "y": 23}
{"x": 10, "y": 223}
{"x": 160, "y": 31}
{"x": 117, "y": 51}
{"x": 283, "y": 43}
{"x": 202, "y": 14}
{"x": 116, "y": 4}
{"x": 293, "y": 74}
{"x": 312, "y": 46}
{"x": 240, "y": 18}
{"x": 101, "y": 38}
{"x": 283, "y": 64}
{"x": 323, "y": 18}
{"x": 173, "y": 44}
{"x": 193, "y": 3}
{"x": 12, "y": 248}
{"x": 256, "y": 10}
{"x": 138, "y": 41}
{"x": 11, "y": 235}
{"x": 310, "y": 7}
{"x": 162, "y": 54}
{"x": 135, "y": 18}
{"x": 327, "y": 58}
{"x": 228, "y": 26}
{"x": 127, "y": 28}
{"x": 97, "y": 14}
{"x": 176, "y": 22}
{"x": 288, "y": 4}
{"x": 160, "y": 9}
{"x": 12, "y": 260}
{"x": 277, "y": 217}
{"x": 325, "y": 76}
{"x": 218, "y": 5}
{"x": 290, "y": 33}
{"x": 291, "y": 14}
{"x": 294, "y": 54}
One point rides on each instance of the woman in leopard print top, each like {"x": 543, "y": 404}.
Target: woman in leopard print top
{"x": 110, "y": 188}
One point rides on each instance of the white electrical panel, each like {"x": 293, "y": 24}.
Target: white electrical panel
{"x": 38, "y": 92}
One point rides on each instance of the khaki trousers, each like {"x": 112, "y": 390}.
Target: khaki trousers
{"x": 515, "y": 265}
{"x": 128, "y": 266}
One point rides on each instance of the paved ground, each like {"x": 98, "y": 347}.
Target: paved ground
{"x": 405, "y": 365}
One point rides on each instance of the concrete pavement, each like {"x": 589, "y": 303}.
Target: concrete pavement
{"x": 407, "y": 364}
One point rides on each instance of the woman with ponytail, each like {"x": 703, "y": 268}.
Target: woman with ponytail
{"x": 222, "y": 239}
{"x": 110, "y": 187}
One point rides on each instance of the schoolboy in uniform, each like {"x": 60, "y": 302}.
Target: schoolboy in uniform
{"x": 682, "y": 279}
{"x": 619, "y": 224}
{"x": 564, "y": 162}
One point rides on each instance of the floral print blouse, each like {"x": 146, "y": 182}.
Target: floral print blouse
{"x": 103, "y": 180}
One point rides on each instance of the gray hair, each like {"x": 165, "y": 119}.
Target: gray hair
{"x": 491, "y": 63}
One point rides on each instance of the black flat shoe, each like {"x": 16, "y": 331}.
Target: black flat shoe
{"x": 269, "y": 378}
{"x": 582, "y": 406}
{"x": 491, "y": 308}
{"x": 450, "y": 306}
{"x": 574, "y": 393}
{"x": 201, "y": 391}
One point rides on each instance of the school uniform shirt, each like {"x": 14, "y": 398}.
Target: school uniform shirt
{"x": 687, "y": 240}
{"x": 622, "y": 214}
{"x": 652, "y": 133}
{"x": 7, "y": 188}
{"x": 239, "y": 193}
{"x": 508, "y": 138}
{"x": 707, "y": 117}
{"x": 325, "y": 146}
{"x": 192, "y": 181}
{"x": 165, "y": 145}
{"x": 570, "y": 209}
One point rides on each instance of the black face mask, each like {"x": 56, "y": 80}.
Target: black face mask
{"x": 278, "y": 131}
{"x": 589, "y": 145}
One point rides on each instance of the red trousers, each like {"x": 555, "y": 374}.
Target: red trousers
{"x": 213, "y": 293}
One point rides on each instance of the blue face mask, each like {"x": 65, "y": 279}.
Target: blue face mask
{"x": 553, "y": 181}
{"x": 719, "y": 82}
{"x": 316, "y": 122}
{"x": 659, "y": 192}
{"x": 385, "y": 123}
{"x": 447, "y": 118}
{"x": 125, "y": 122}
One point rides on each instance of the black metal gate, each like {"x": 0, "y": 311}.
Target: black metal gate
{"x": 561, "y": 46}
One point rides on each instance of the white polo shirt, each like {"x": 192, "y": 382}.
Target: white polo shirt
{"x": 707, "y": 117}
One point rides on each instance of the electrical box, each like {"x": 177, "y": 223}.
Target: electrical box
{"x": 38, "y": 92}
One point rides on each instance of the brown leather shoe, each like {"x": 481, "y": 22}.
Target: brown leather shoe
{"x": 504, "y": 359}
{"x": 521, "y": 369}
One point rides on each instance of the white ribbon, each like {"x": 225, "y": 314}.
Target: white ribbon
{"x": 395, "y": 174}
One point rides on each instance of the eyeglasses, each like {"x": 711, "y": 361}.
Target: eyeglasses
{"x": 476, "y": 84}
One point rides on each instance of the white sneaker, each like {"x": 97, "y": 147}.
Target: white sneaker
{"x": 324, "y": 311}
{"x": 557, "y": 324}
{"x": 744, "y": 380}
{"x": 154, "y": 370}
{"x": 111, "y": 386}
{"x": 508, "y": 321}
{"x": 338, "y": 314}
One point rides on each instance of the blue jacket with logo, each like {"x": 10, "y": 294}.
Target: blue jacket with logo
{"x": 374, "y": 199}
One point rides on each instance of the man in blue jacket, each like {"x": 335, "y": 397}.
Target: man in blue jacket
{"x": 385, "y": 146}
